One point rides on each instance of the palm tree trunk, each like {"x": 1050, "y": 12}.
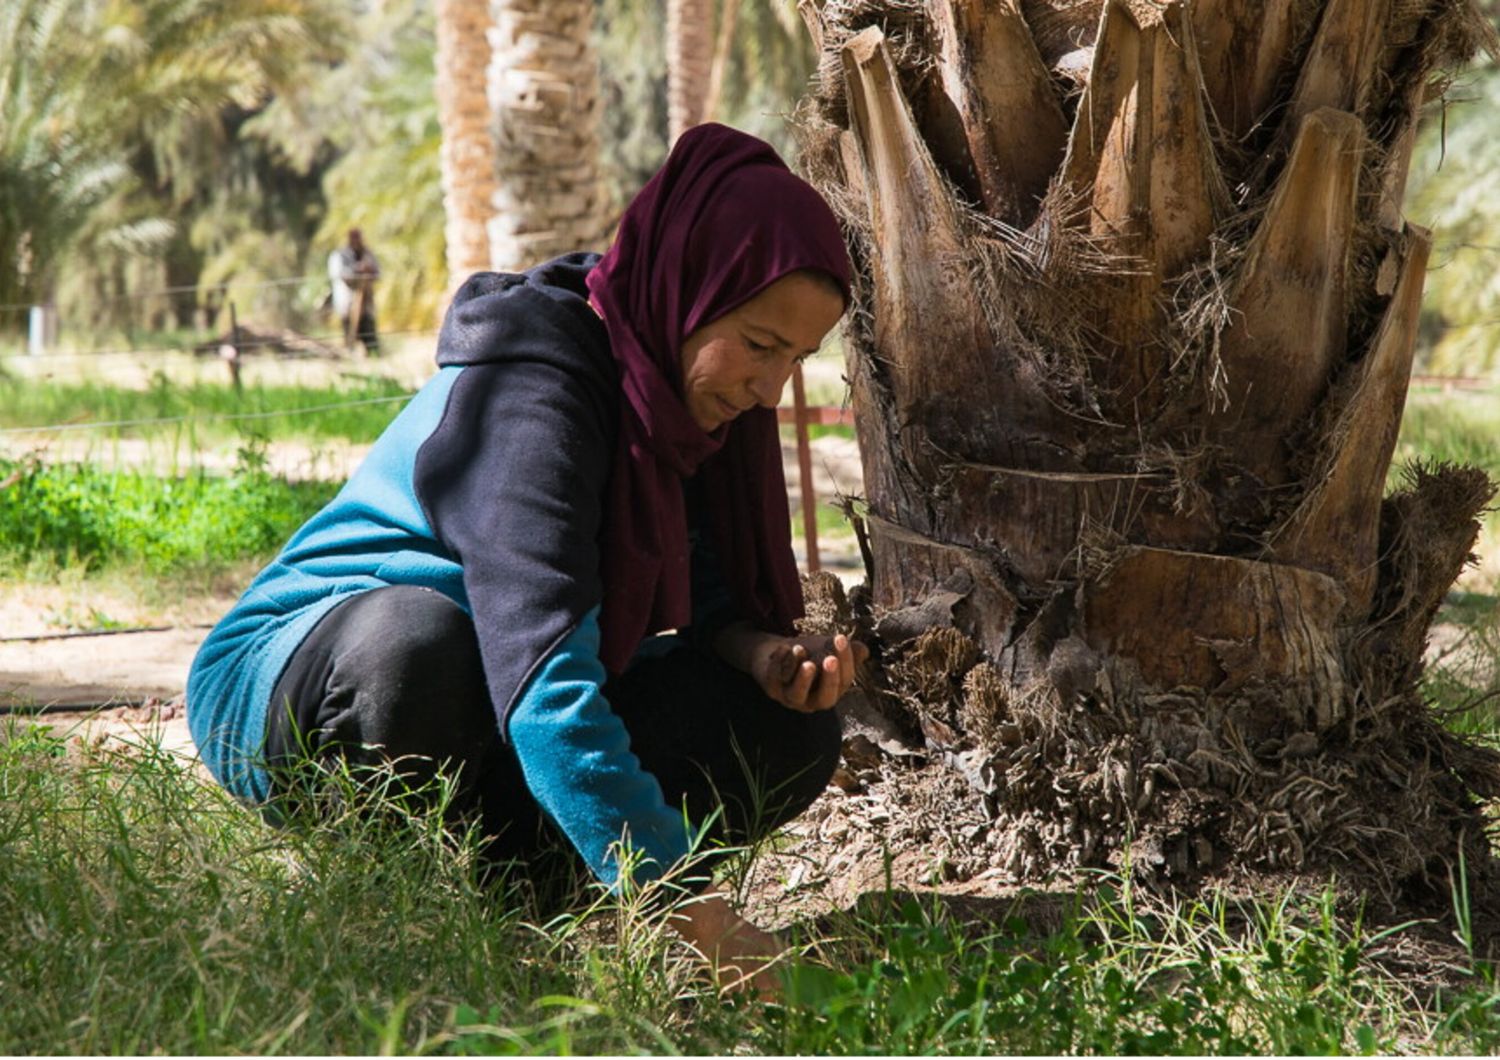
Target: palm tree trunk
{"x": 729, "y": 18}
{"x": 1128, "y": 367}
{"x": 468, "y": 152}
{"x": 689, "y": 62}
{"x": 544, "y": 95}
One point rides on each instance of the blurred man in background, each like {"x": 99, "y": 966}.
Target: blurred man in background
{"x": 353, "y": 270}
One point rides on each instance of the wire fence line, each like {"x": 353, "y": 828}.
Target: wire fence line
{"x": 155, "y": 421}
{"x": 193, "y": 288}
{"x": 785, "y": 415}
{"x": 160, "y": 292}
{"x": 204, "y": 373}
{"x": 322, "y": 277}
{"x": 199, "y": 348}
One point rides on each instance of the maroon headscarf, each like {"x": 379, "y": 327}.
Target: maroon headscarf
{"x": 722, "y": 220}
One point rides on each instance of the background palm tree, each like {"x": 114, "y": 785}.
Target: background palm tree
{"x": 1136, "y": 316}
{"x": 114, "y": 118}
{"x": 468, "y": 154}
{"x": 690, "y": 52}
{"x": 544, "y": 98}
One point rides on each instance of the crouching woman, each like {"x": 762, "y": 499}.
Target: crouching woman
{"x": 564, "y": 572}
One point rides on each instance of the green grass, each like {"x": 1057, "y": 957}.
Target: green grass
{"x": 832, "y": 522}
{"x": 146, "y": 911}
{"x": 209, "y": 408}
{"x": 829, "y": 430}
{"x": 1462, "y": 428}
{"x": 60, "y": 515}
{"x": 1462, "y": 681}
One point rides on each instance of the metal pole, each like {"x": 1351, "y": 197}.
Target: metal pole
{"x": 39, "y": 330}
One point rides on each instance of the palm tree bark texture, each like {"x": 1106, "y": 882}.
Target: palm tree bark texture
{"x": 1135, "y": 322}
{"x": 468, "y": 151}
{"x": 544, "y": 101}
{"x": 690, "y": 27}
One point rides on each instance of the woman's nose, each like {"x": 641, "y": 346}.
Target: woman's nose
{"x": 767, "y": 386}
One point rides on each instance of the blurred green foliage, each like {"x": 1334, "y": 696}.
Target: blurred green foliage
{"x": 191, "y": 143}
{"x": 119, "y": 127}
{"x": 366, "y": 130}
{"x": 1452, "y": 191}
{"x": 195, "y": 143}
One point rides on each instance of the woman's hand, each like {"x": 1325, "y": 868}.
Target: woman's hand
{"x": 739, "y": 953}
{"x": 809, "y": 673}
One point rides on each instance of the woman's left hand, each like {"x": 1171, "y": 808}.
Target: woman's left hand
{"x": 809, "y": 673}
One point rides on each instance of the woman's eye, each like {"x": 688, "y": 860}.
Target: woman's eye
{"x": 757, "y": 347}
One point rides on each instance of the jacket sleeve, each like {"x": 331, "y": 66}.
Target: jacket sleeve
{"x": 512, "y": 482}
{"x": 575, "y": 754}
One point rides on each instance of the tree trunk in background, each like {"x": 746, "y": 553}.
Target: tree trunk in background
{"x": 468, "y": 153}
{"x": 544, "y": 95}
{"x": 689, "y": 62}
{"x": 1135, "y": 320}
{"x": 713, "y": 98}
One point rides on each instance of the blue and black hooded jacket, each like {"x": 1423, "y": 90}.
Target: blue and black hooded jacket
{"x": 488, "y": 487}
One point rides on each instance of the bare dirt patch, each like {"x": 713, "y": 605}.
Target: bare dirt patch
{"x": 122, "y": 687}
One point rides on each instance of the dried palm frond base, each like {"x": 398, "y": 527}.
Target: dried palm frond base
{"x": 1094, "y": 768}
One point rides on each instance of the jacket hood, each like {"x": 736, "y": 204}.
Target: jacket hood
{"x": 504, "y": 316}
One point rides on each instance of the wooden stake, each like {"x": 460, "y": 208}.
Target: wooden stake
{"x": 805, "y": 473}
{"x": 230, "y": 351}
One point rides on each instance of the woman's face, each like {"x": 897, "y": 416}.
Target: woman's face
{"x": 745, "y": 357}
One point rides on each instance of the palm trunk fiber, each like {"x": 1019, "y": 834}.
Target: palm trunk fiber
{"x": 1135, "y": 320}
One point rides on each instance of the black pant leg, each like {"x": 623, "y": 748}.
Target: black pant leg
{"x": 394, "y": 675}
{"x": 367, "y": 332}
{"x": 716, "y": 742}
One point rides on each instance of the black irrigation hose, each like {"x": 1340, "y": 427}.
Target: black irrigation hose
{"x": 36, "y": 710}
{"x": 39, "y": 709}
{"x": 101, "y": 633}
